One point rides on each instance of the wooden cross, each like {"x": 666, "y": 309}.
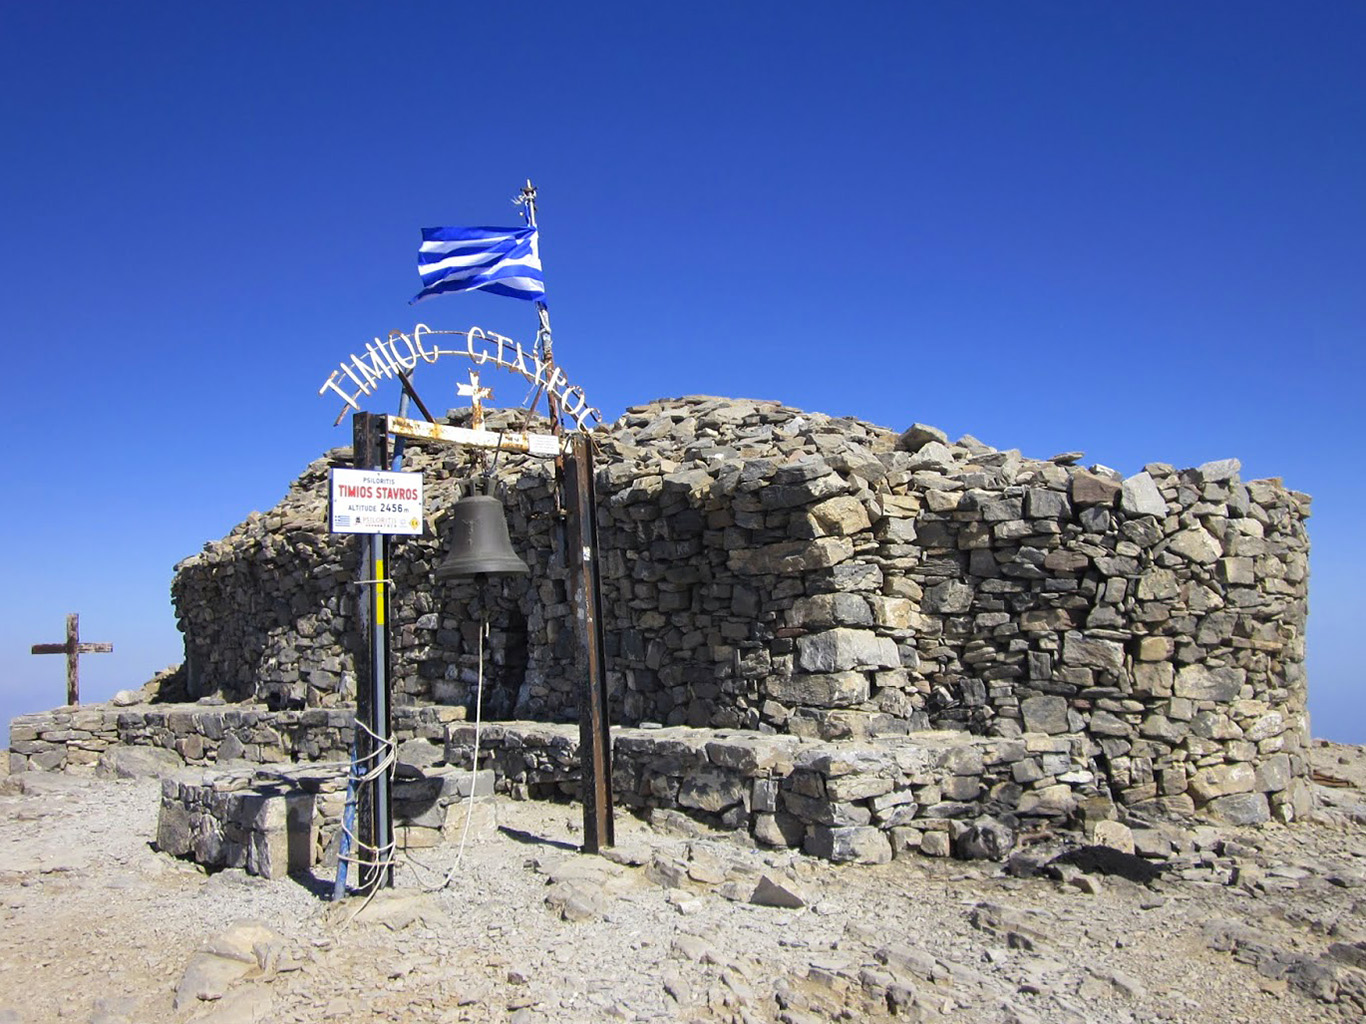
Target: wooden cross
{"x": 476, "y": 395}
{"x": 73, "y": 649}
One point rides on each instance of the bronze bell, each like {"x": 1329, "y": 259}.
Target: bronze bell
{"x": 480, "y": 545}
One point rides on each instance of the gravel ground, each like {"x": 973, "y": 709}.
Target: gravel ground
{"x": 1250, "y": 925}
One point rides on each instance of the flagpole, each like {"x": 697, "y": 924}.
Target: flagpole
{"x": 543, "y": 338}
{"x": 574, "y": 479}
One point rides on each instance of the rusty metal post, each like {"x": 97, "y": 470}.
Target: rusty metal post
{"x": 543, "y": 335}
{"x": 374, "y": 804}
{"x": 595, "y": 741}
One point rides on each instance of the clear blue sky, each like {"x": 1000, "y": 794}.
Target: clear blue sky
{"x": 1134, "y": 229}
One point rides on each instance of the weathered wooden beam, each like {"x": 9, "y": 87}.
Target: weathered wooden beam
{"x": 595, "y": 741}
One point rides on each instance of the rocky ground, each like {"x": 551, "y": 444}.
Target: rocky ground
{"x": 1262, "y": 923}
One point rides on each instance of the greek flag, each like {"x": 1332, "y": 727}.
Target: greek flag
{"x": 505, "y": 261}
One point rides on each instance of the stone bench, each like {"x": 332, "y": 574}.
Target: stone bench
{"x": 234, "y": 818}
{"x": 277, "y": 822}
{"x": 862, "y": 801}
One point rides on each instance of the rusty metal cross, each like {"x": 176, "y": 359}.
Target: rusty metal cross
{"x": 73, "y": 649}
{"x": 476, "y": 394}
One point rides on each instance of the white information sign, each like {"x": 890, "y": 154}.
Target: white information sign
{"x": 375, "y": 501}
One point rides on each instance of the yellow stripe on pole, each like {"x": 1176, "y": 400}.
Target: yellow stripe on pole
{"x": 379, "y": 591}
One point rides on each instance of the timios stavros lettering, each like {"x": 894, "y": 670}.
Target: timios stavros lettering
{"x": 384, "y": 358}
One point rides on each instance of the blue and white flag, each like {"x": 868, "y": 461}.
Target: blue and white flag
{"x": 505, "y": 261}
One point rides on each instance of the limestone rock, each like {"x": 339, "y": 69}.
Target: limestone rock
{"x": 396, "y": 909}
{"x": 416, "y": 755}
{"x": 917, "y": 435}
{"x": 248, "y": 1004}
{"x": 1021, "y": 928}
{"x": 1115, "y": 835}
{"x": 1218, "y": 470}
{"x": 986, "y": 839}
{"x": 830, "y": 690}
{"x": 1196, "y": 544}
{"x": 208, "y": 977}
{"x": 1092, "y": 652}
{"x": 1139, "y": 495}
{"x": 710, "y": 790}
{"x": 1091, "y": 489}
{"x": 935, "y": 844}
{"x": 837, "y": 650}
{"x": 849, "y": 844}
{"x": 840, "y": 516}
{"x": 947, "y": 597}
{"x": 138, "y": 763}
{"x": 1199, "y": 682}
{"x": 1045, "y": 714}
{"x": 1239, "y": 809}
{"x": 1222, "y": 780}
{"x": 574, "y": 901}
{"x": 771, "y": 891}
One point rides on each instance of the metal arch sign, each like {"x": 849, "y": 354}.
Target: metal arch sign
{"x": 383, "y": 359}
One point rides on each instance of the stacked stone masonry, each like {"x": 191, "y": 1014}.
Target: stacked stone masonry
{"x": 226, "y": 822}
{"x": 272, "y": 808}
{"x": 791, "y": 573}
{"x": 199, "y": 735}
{"x": 847, "y": 800}
{"x": 273, "y": 823}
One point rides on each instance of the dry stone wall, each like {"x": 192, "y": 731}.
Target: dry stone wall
{"x": 274, "y": 823}
{"x": 789, "y": 572}
{"x": 269, "y": 613}
{"x": 203, "y": 734}
{"x": 225, "y": 822}
{"x": 863, "y": 801}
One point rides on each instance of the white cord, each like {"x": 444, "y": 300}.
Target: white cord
{"x": 474, "y": 771}
{"x": 383, "y": 754}
{"x": 474, "y": 761}
{"x": 381, "y": 758}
